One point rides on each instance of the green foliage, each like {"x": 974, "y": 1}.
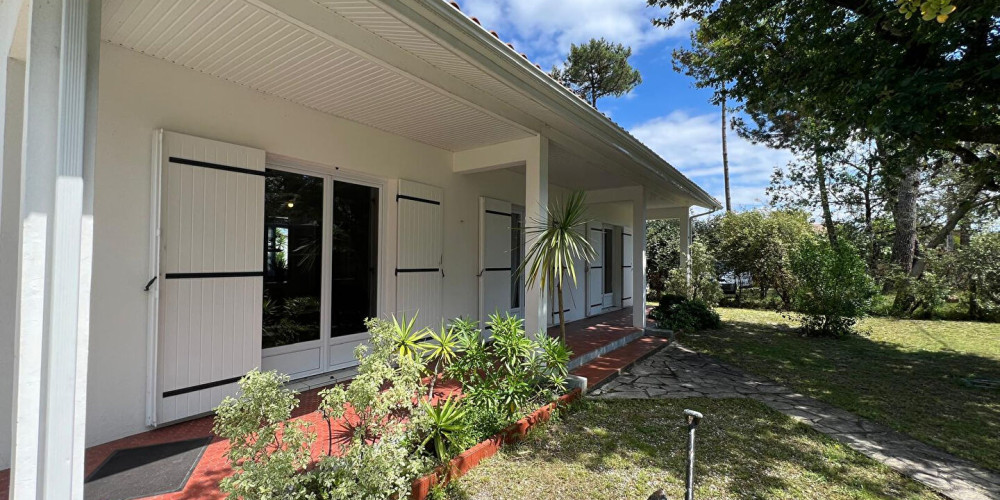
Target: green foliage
{"x": 555, "y": 244}
{"x": 382, "y": 393}
{"x": 679, "y": 314}
{"x": 760, "y": 243}
{"x": 704, "y": 282}
{"x": 377, "y": 471}
{"x": 502, "y": 380}
{"x": 938, "y": 10}
{"x": 974, "y": 270}
{"x": 662, "y": 252}
{"x": 445, "y": 427}
{"x": 834, "y": 289}
{"x": 266, "y": 451}
{"x": 598, "y": 68}
{"x": 408, "y": 341}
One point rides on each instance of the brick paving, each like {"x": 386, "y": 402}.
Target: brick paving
{"x": 582, "y": 337}
{"x": 677, "y": 372}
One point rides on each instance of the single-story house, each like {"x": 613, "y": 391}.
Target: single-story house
{"x": 196, "y": 188}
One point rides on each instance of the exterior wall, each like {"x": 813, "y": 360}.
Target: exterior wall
{"x": 139, "y": 94}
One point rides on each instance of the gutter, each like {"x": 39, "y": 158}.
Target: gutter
{"x": 560, "y": 99}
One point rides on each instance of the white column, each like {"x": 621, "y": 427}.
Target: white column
{"x": 684, "y": 219}
{"x": 536, "y": 200}
{"x": 55, "y": 249}
{"x": 639, "y": 259}
{"x": 11, "y": 119}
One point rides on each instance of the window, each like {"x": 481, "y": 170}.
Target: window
{"x": 293, "y": 235}
{"x": 355, "y": 257}
{"x": 516, "y": 256}
{"x": 608, "y": 245}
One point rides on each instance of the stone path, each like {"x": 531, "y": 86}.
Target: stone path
{"x": 677, "y": 372}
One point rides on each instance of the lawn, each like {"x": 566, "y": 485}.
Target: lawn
{"x": 626, "y": 449}
{"x": 910, "y": 375}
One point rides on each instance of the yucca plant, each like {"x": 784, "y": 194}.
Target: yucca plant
{"x": 556, "y": 243}
{"x": 446, "y": 424}
{"x": 408, "y": 341}
{"x": 441, "y": 348}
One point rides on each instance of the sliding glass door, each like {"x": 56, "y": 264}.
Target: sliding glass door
{"x": 321, "y": 272}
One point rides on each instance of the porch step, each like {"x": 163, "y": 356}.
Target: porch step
{"x": 602, "y": 369}
{"x": 602, "y": 350}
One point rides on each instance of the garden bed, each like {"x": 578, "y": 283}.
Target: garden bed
{"x": 470, "y": 458}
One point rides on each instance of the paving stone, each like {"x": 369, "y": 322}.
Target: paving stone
{"x": 677, "y": 372}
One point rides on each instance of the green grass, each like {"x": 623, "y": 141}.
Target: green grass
{"x": 626, "y": 449}
{"x": 908, "y": 374}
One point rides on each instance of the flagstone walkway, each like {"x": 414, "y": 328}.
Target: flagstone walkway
{"x": 678, "y": 372}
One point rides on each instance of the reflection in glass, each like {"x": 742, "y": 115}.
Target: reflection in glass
{"x": 355, "y": 257}
{"x": 608, "y": 241}
{"x": 516, "y": 251}
{"x": 293, "y": 235}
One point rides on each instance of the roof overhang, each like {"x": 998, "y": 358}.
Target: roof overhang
{"x": 416, "y": 68}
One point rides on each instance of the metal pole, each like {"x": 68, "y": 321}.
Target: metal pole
{"x": 693, "y": 418}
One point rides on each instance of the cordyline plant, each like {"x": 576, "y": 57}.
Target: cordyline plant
{"x": 558, "y": 241}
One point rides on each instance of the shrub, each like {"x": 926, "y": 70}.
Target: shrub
{"x": 503, "y": 379}
{"x": 685, "y": 315}
{"x": 266, "y": 451}
{"x": 834, "y": 289}
{"x": 760, "y": 243}
{"x": 704, "y": 282}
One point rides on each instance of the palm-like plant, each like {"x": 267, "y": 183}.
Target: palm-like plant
{"x": 557, "y": 243}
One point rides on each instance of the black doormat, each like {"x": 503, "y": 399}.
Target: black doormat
{"x": 145, "y": 471}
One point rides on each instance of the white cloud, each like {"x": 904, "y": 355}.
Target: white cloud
{"x": 544, "y": 29}
{"x": 693, "y": 144}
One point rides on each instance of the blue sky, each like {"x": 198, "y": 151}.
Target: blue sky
{"x": 665, "y": 111}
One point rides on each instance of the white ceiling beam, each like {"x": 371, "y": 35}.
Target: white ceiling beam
{"x": 495, "y": 156}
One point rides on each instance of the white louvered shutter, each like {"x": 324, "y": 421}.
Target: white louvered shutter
{"x": 627, "y": 267}
{"x": 419, "y": 253}
{"x": 495, "y": 270}
{"x": 210, "y": 280}
{"x": 595, "y": 275}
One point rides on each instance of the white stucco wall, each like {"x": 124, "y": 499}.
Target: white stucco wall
{"x": 140, "y": 94}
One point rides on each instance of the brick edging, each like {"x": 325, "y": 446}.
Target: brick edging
{"x": 469, "y": 459}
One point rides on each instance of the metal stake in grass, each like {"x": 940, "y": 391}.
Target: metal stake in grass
{"x": 693, "y": 419}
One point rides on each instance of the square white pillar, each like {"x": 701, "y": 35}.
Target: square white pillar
{"x": 536, "y": 202}
{"x": 639, "y": 259}
{"x": 55, "y": 224}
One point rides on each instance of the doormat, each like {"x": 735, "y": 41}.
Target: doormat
{"x": 145, "y": 471}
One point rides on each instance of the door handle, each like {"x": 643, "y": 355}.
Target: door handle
{"x": 149, "y": 284}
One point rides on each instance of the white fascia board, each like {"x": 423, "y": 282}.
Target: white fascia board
{"x": 484, "y": 47}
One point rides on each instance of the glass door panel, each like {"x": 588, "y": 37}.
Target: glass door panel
{"x": 293, "y": 236}
{"x": 355, "y": 257}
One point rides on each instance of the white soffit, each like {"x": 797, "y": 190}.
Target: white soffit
{"x": 372, "y": 17}
{"x": 243, "y": 44}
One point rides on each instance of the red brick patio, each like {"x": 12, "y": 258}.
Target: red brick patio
{"x": 582, "y": 336}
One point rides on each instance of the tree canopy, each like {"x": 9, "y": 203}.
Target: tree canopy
{"x": 598, "y": 68}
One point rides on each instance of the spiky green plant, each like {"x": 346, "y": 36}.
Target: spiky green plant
{"x": 447, "y": 423}
{"x": 556, "y": 243}
{"x": 408, "y": 341}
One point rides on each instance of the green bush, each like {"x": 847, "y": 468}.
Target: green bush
{"x": 704, "y": 282}
{"x": 680, "y": 314}
{"x": 503, "y": 379}
{"x": 393, "y": 433}
{"x": 834, "y": 289}
{"x": 760, "y": 243}
{"x": 267, "y": 452}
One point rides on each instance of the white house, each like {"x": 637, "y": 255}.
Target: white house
{"x": 194, "y": 188}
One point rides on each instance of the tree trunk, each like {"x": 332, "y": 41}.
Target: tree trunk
{"x": 904, "y": 213}
{"x": 961, "y": 210}
{"x": 562, "y": 313}
{"x": 869, "y": 230}
{"x": 725, "y": 155}
{"x": 824, "y": 201}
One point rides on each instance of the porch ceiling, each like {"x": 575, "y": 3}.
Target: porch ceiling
{"x": 243, "y": 43}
